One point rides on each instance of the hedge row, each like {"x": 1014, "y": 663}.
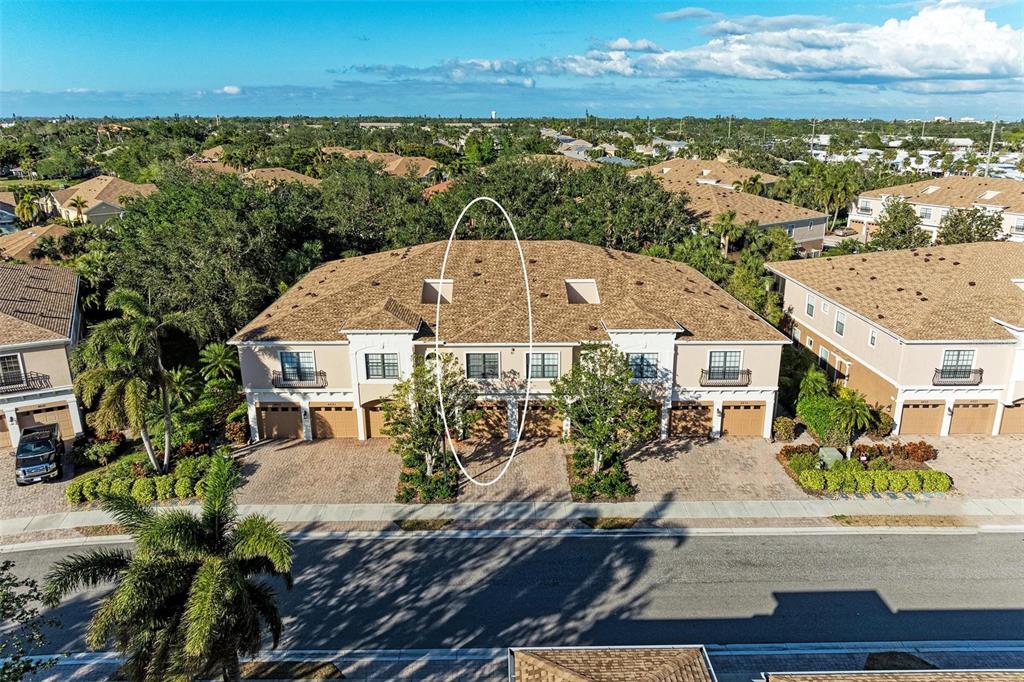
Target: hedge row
{"x": 911, "y": 480}
{"x": 134, "y": 478}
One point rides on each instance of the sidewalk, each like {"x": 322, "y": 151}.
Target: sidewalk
{"x": 979, "y": 510}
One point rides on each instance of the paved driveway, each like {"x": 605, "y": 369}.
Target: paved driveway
{"x": 982, "y": 466}
{"x": 536, "y": 474}
{"x": 730, "y": 468}
{"x": 30, "y": 500}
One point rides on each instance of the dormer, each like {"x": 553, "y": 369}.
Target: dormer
{"x": 434, "y": 289}
{"x": 582, "y": 292}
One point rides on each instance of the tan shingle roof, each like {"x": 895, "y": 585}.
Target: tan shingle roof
{"x": 395, "y": 164}
{"x": 198, "y": 163}
{"x": 707, "y": 201}
{"x": 276, "y": 175}
{"x": 904, "y": 676}
{"x": 933, "y": 293}
{"x": 959, "y": 191}
{"x": 564, "y": 160}
{"x": 40, "y": 299}
{"x": 18, "y": 245}
{"x": 103, "y": 188}
{"x": 675, "y": 174}
{"x": 213, "y": 153}
{"x": 627, "y": 664}
{"x": 488, "y": 303}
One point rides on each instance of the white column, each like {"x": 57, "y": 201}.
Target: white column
{"x": 12, "y": 425}
{"x": 76, "y": 415}
{"x": 947, "y": 417}
{"x": 999, "y": 417}
{"x": 666, "y": 411}
{"x": 254, "y": 426}
{"x": 566, "y": 427}
{"x": 769, "y": 417}
{"x": 307, "y": 422}
{"x": 512, "y": 409}
{"x": 897, "y": 415}
{"x": 716, "y": 418}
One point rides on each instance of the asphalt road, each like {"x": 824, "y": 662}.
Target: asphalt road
{"x": 434, "y": 592}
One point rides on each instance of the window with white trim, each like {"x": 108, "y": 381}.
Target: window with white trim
{"x": 872, "y": 337}
{"x": 823, "y": 355}
{"x": 796, "y": 334}
{"x": 298, "y": 365}
{"x": 10, "y": 370}
{"x": 925, "y": 212}
{"x": 542, "y": 365}
{"x": 382, "y": 365}
{"x": 1018, "y": 226}
{"x": 482, "y": 365}
{"x": 645, "y": 365}
{"x": 957, "y": 364}
{"x": 810, "y": 342}
{"x": 724, "y": 365}
{"x": 840, "y": 322}
{"x": 811, "y": 301}
{"x": 824, "y": 308}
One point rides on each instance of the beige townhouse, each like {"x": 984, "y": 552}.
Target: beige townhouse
{"x": 710, "y": 188}
{"x": 935, "y": 197}
{"x": 101, "y": 199}
{"x": 39, "y": 325}
{"x": 935, "y": 334}
{"x": 318, "y": 362}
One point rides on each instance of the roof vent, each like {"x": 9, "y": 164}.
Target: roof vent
{"x": 582, "y": 291}
{"x": 930, "y": 189}
{"x": 437, "y": 289}
{"x": 990, "y": 194}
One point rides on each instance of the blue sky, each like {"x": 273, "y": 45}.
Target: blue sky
{"x": 780, "y": 58}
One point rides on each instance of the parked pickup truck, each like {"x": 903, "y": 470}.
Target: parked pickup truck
{"x": 39, "y": 455}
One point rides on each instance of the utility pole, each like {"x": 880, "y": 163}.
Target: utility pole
{"x": 728, "y": 135}
{"x": 814, "y": 121}
{"x": 991, "y": 141}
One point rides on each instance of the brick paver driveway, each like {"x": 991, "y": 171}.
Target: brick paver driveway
{"x": 723, "y": 469}
{"x": 981, "y": 466}
{"x": 331, "y": 471}
{"x": 30, "y": 500}
{"x": 536, "y": 474}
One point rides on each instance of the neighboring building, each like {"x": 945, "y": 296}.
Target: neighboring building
{"x": 274, "y": 176}
{"x": 688, "y": 663}
{"x": 568, "y": 161}
{"x": 933, "y": 198}
{"x": 318, "y": 362}
{"x": 936, "y": 334}
{"x": 436, "y": 188}
{"x": 102, "y": 195}
{"x": 420, "y": 167}
{"x": 19, "y": 245}
{"x": 8, "y": 217}
{"x": 709, "y": 186}
{"x": 616, "y": 161}
{"x": 39, "y": 325}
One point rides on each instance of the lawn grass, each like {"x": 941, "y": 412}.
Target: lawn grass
{"x": 609, "y": 522}
{"x": 291, "y": 670}
{"x": 15, "y": 184}
{"x": 422, "y": 524}
{"x": 894, "y": 520}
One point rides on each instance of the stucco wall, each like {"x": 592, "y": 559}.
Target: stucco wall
{"x": 51, "y": 361}
{"x": 762, "y": 361}
{"x": 258, "y": 363}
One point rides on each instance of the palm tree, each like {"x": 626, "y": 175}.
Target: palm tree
{"x": 79, "y": 204}
{"x": 27, "y": 210}
{"x": 726, "y": 229}
{"x": 218, "y": 359}
{"x": 750, "y": 185}
{"x": 183, "y": 385}
{"x": 190, "y": 599}
{"x": 814, "y": 383}
{"x": 140, "y": 330}
{"x": 851, "y": 411}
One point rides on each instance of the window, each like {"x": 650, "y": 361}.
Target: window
{"x": 482, "y": 365}
{"x": 824, "y": 307}
{"x": 823, "y": 357}
{"x": 297, "y": 366}
{"x": 382, "y": 365}
{"x": 957, "y": 364}
{"x": 796, "y": 334}
{"x": 864, "y": 207}
{"x": 840, "y": 322}
{"x": 1018, "y": 226}
{"x": 645, "y": 365}
{"x": 925, "y": 213}
{"x": 10, "y": 370}
{"x": 811, "y": 301}
{"x": 872, "y": 337}
{"x": 542, "y": 365}
{"x": 724, "y": 365}
{"x": 810, "y": 342}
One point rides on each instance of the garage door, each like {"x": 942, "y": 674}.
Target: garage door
{"x": 743, "y": 419}
{"x": 972, "y": 417}
{"x": 5, "y": 435}
{"x": 541, "y": 422}
{"x": 333, "y": 421}
{"x": 280, "y": 421}
{"x": 493, "y": 424}
{"x": 921, "y": 418}
{"x": 690, "y": 420}
{"x": 54, "y": 413}
{"x": 1013, "y": 419}
{"x": 374, "y": 416}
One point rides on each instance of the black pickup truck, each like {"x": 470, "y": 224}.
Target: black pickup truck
{"x": 39, "y": 455}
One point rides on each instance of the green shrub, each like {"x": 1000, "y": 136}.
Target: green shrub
{"x": 187, "y": 467}
{"x": 865, "y": 481}
{"x": 935, "y": 481}
{"x": 182, "y": 487}
{"x": 102, "y": 487}
{"x": 121, "y": 487}
{"x": 89, "y": 488}
{"x": 882, "y": 426}
{"x": 73, "y": 492}
{"x": 879, "y": 464}
{"x": 834, "y": 480}
{"x": 143, "y": 490}
{"x": 913, "y": 480}
{"x": 200, "y": 487}
{"x": 803, "y": 461}
{"x": 880, "y": 481}
{"x": 101, "y": 452}
{"x": 847, "y": 465}
{"x": 897, "y": 481}
{"x": 784, "y": 428}
{"x": 815, "y": 412}
{"x": 164, "y": 487}
{"x": 812, "y": 479}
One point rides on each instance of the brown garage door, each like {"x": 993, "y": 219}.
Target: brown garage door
{"x": 1013, "y": 419}
{"x": 280, "y": 421}
{"x": 493, "y": 423}
{"x": 690, "y": 419}
{"x": 333, "y": 421}
{"x": 972, "y": 416}
{"x": 922, "y": 418}
{"x": 542, "y": 422}
{"x": 743, "y": 419}
{"x": 374, "y": 416}
{"x": 54, "y": 413}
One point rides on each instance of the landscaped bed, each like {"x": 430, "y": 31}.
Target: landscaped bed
{"x": 877, "y": 468}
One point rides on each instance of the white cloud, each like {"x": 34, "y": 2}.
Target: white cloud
{"x": 689, "y": 13}
{"x": 756, "y": 23}
{"x": 627, "y": 45}
{"x": 230, "y": 90}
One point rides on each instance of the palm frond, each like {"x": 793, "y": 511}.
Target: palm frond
{"x": 263, "y": 600}
{"x": 219, "y": 508}
{"x": 175, "y": 531}
{"x": 84, "y": 570}
{"x": 129, "y": 513}
{"x": 257, "y": 536}
{"x": 206, "y": 606}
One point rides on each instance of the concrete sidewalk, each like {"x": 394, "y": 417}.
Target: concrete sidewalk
{"x": 883, "y": 505}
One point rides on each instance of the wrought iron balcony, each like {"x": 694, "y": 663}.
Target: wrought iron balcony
{"x": 302, "y": 380}
{"x": 725, "y": 377}
{"x": 29, "y": 381}
{"x": 956, "y": 376}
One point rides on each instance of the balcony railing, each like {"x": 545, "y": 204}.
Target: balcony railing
{"x": 302, "y": 380}
{"x": 956, "y": 376}
{"x": 29, "y": 381}
{"x": 725, "y": 377}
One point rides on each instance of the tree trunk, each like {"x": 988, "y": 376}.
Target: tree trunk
{"x": 725, "y": 246}
{"x": 166, "y": 400}
{"x": 147, "y": 443}
{"x": 232, "y": 669}
{"x": 597, "y": 461}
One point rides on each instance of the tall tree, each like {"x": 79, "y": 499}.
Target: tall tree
{"x": 725, "y": 227}
{"x": 27, "y": 210}
{"x": 79, "y": 204}
{"x": 899, "y": 227}
{"x": 966, "y": 225}
{"x": 190, "y": 598}
{"x": 851, "y": 411}
{"x": 218, "y": 360}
